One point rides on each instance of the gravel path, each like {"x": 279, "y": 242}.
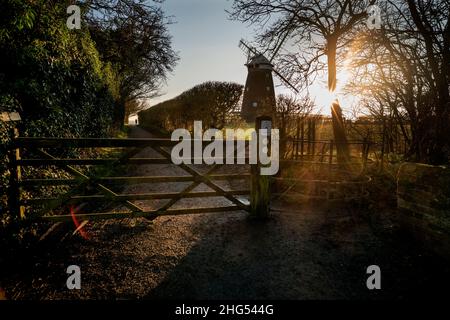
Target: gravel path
{"x": 303, "y": 252}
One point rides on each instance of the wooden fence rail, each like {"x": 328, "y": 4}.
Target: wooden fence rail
{"x": 84, "y": 186}
{"x": 40, "y": 149}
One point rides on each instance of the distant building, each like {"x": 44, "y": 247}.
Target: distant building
{"x": 133, "y": 120}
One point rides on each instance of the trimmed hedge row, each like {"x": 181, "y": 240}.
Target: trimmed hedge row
{"x": 210, "y": 102}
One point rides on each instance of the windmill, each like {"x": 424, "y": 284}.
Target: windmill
{"x": 259, "y": 92}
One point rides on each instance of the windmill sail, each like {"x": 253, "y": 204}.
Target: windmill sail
{"x": 286, "y": 82}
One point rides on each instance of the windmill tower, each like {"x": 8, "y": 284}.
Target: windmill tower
{"x": 259, "y": 92}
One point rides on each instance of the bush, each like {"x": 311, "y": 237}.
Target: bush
{"x": 53, "y": 76}
{"x": 55, "y": 73}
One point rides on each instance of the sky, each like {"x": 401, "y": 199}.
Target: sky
{"x": 207, "y": 44}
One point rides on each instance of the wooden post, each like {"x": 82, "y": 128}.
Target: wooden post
{"x": 365, "y": 153}
{"x": 302, "y": 150}
{"x": 330, "y": 159}
{"x": 14, "y": 179}
{"x": 313, "y": 138}
{"x": 383, "y": 141}
{"x": 309, "y": 139}
{"x": 297, "y": 139}
{"x": 260, "y": 184}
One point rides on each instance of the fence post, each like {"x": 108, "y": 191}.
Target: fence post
{"x": 383, "y": 141}
{"x": 302, "y": 139}
{"x": 330, "y": 159}
{"x": 14, "y": 179}
{"x": 313, "y": 138}
{"x": 365, "y": 153}
{"x": 330, "y": 165}
{"x": 260, "y": 184}
{"x": 297, "y": 138}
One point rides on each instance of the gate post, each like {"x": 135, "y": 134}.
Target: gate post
{"x": 365, "y": 154}
{"x": 260, "y": 184}
{"x": 14, "y": 172}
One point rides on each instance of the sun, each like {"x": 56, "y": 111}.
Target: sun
{"x": 324, "y": 98}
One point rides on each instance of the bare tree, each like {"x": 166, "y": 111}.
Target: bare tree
{"x": 290, "y": 112}
{"x": 315, "y": 28}
{"x": 404, "y": 68}
{"x": 132, "y": 35}
{"x": 132, "y": 107}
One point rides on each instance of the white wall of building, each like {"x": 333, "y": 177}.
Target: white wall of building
{"x": 132, "y": 120}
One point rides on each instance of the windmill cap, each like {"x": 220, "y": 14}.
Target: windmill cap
{"x": 259, "y": 61}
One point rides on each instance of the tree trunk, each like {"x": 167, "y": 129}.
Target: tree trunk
{"x": 340, "y": 136}
{"x": 119, "y": 115}
{"x": 331, "y": 55}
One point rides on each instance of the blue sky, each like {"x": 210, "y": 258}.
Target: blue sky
{"x": 207, "y": 43}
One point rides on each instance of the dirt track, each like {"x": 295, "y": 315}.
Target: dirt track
{"x": 303, "y": 252}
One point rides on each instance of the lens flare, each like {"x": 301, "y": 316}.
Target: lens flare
{"x": 79, "y": 227}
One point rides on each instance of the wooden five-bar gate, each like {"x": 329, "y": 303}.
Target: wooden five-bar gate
{"x": 84, "y": 186}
